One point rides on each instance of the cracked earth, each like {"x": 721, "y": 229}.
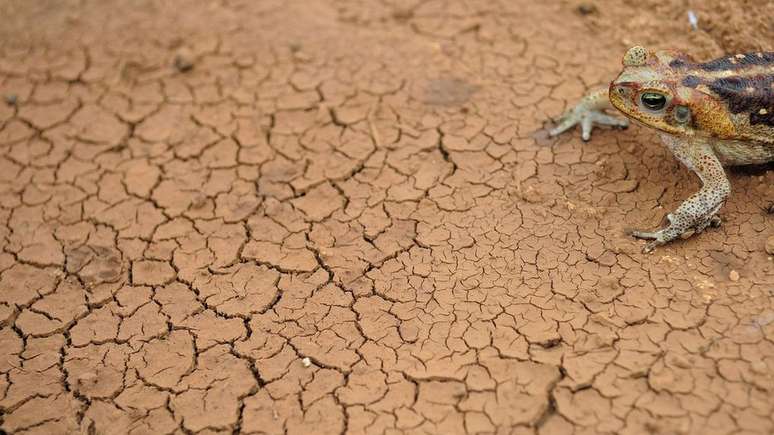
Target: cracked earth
{"x": 345, "y": 217}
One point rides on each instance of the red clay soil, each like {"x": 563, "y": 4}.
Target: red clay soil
{"x": 345, "y": 217}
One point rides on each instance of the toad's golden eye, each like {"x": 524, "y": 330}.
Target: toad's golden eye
{"x": 653, "y": 100}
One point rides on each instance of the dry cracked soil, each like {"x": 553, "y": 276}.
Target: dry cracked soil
{"x": 345, "y": 217}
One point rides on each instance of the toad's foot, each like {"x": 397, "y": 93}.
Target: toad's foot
{"x": 587, "y": 113}
{"x": 676, "y": 228}
{"x": 587, "y": 119}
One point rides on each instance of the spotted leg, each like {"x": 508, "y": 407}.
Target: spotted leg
{"x": 589, "y": 111}
{"x": 698, "y": 211}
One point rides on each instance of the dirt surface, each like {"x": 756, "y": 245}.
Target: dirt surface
{"x": 329, "y": 217}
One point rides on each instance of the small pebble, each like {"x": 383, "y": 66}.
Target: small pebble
{"x": 198, "y": 201}
{"x": 587, "y": 8}
{"x": 184, "y": 61}
{"x": 733, "y": 276}
{"x": 306, "y": 362}
{"x": 11, "y": 99}
{"x": 770, "y": 245}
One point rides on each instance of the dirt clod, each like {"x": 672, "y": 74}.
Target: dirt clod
{"x": 184, "y": 60}
{"x": 403, "y": 14}
{"x": 770, "y": 245}
{"x": 587, "y": 8}
{"x": 733, "y": 276}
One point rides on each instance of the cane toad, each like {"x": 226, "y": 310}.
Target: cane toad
{"x": 710, "y": 115}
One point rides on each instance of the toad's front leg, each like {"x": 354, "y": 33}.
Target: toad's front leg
{"x": 698, "y": 211}
{"x": 588, "y": 112}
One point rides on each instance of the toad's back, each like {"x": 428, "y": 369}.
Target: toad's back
{"x": 744, "y": 83}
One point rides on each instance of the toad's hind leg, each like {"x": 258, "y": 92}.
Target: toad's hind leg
{"x": 698, "y": 211}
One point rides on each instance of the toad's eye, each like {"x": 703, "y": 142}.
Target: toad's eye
{"x": 653, "y": 100}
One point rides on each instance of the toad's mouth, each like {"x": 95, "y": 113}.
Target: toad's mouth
{"x": 616, "y": 99}
{"x": 621, "y": 97}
